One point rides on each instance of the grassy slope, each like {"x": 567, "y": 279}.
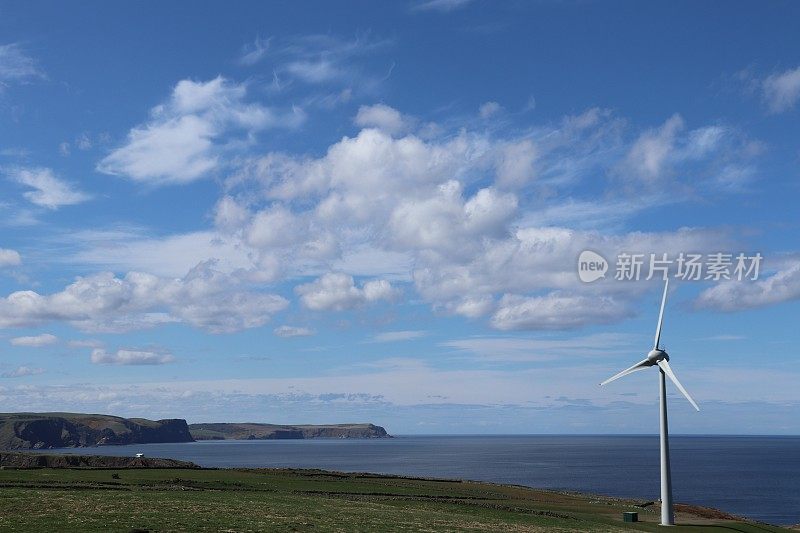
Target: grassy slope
{"x": 303, "y": 500}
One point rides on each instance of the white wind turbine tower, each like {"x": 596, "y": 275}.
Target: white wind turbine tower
{"x": 658, "y": 357}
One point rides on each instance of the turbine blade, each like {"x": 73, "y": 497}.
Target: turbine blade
{"x": 661, "y": 315}
{"x": 641, "y": 365}
{"x": 664, "y": 365}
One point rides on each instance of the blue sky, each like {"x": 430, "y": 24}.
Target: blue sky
{"x": 307, "y": 212}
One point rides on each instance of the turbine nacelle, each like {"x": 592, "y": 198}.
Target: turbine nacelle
{"x": 657, "y": 355}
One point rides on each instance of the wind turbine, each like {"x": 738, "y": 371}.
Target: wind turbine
{"x": 658, "y": 357}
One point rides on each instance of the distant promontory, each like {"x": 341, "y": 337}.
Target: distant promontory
{"x": 219, "y": 431}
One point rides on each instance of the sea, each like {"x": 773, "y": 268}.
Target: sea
{"x": 753, "y": 476}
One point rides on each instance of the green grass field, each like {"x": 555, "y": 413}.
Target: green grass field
{"x": 46, "y": 500}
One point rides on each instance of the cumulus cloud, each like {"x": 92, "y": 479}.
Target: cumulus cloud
{"x": 535, "y": 259}
{"x": 184, "y": 139}
{"x": 456, "y": 213}
{"x": 37, "y": 341}
{"x": 337, "y": 292}
{"x": 782, "y": 91}
{"x": 204, "y": 298}
{"x": 48, "y": 190}
{"x": 9, "y": 258}
{"x": 734, "y": 295}
{"x": 448, "y": 224}
{"x": 130, "y": 357}
{"x": 382, "y": 117}
{"x": 293, "y": 331}
{"x": 274, "y": 227}
{"x": 470, "y": 219}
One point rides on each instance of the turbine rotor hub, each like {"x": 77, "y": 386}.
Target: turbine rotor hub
{"x": 657, "y": 355}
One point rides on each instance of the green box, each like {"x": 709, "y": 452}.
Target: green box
{"x": 630, "y": 517}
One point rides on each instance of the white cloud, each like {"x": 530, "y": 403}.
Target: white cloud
{"x": 130, "y": 357}
{"x": 489, "y": 109}
{"x": 556, "y": 310}
{"x": 48, "y": 190}
{"x": 293, "y": 331}
{"x": 516, "y": 166}
{"x": 337, "y": 292}
{"x": 399, "y": 336}
{"x": 170, "y": 256}
{"x": 710, "y": 158}
{"x": 400, "y": 204}
{"x": 536, "y": 259}
{"x": 174, "y": 151}
{"x": 37, "y": 341}
{"x": 782, "y": 91}
{"x": 229, "y": 215}
{"x": 9, "y": 258}
{"x": 22, "y": 371}
{"x": 782, "y": 286}
{"x": 447, "y": 224}
{"x": 650, "y": 153}
{"x": 16, "y": 66}
{"x": 383, "y": 117}
{"x": 474, "y": 221}
{"x": 204, "y": 298}
{"x": 184, "y": 140}
{"x": 274, "y": 227}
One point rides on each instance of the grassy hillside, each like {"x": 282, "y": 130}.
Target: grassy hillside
{"x": 212, "y": 431}
{"x": 306, "y": 500}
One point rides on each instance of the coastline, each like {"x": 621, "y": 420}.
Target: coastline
{"x": 355, "y": 498}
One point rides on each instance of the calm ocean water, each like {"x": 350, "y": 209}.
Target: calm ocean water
{"x": 757, "y": 477}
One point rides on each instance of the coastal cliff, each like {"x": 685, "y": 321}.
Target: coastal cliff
{"x": 20, "y": 431}
{"x": 220, "y": 431}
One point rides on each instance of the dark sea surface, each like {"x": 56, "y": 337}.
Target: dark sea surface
{"x": 756, "y": 477}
